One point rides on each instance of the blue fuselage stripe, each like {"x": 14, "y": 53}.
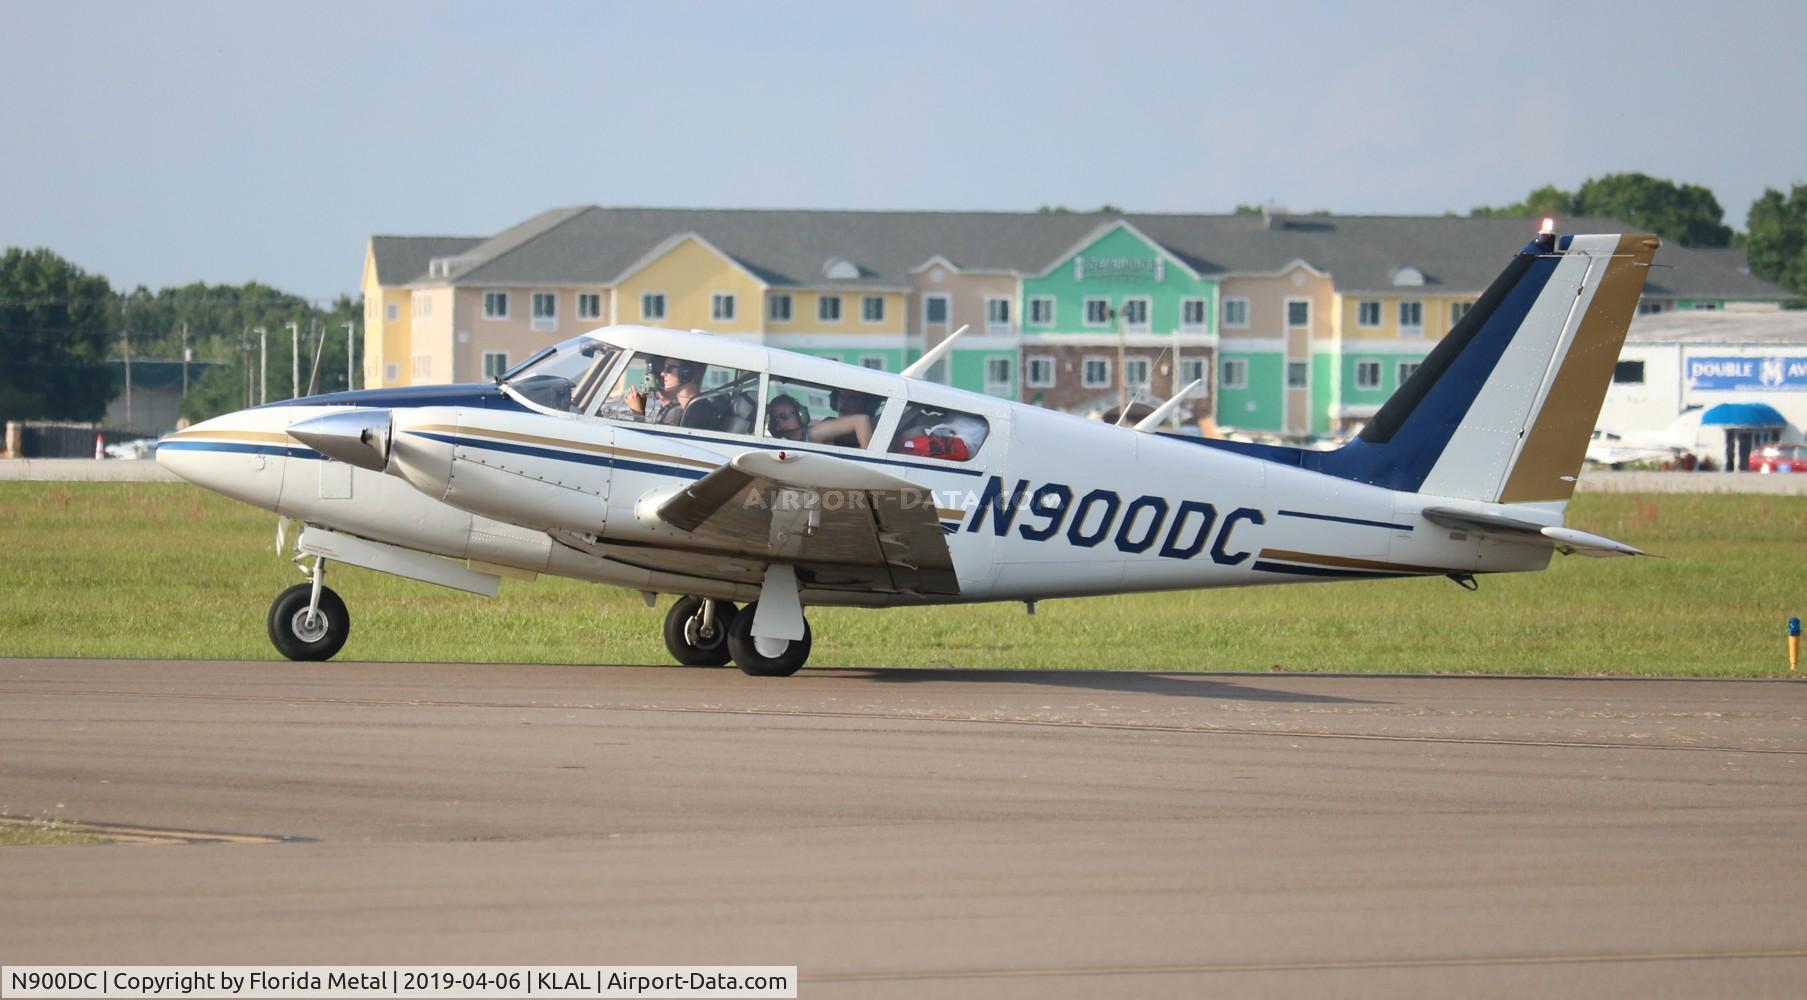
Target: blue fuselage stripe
{"x": 1345, "y": 520}
{"x": 240, "y": 449}
{"x": 1333, "y": 574}
{"x": 564, "y": 456}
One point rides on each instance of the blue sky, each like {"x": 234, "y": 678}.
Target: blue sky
{"x": 159, "y": 144}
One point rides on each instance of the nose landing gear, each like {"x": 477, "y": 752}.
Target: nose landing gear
{"x": 309, "y": 621}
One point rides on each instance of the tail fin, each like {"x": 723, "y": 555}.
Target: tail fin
{"x": 1501, "y": 409}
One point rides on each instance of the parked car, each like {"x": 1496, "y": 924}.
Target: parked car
{"x": 1779, "y": 458}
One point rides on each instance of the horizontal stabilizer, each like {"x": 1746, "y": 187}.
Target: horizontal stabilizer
{"x": 1568, "y": 541}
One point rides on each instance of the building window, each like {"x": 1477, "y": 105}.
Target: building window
{"x": 1298, "y": 312}
{"x": 423, "y": 366}
{"x": 392, "y": 312}
{"x": 589, "y": 305}
{"x": 828, "y": 309}
{"x": 1135, "y": 372}
{"x": 1705, "y": 306}
{"x": 1236, "y": 313}
{"x": 1135, "y": 314}
{"x": 1235, "y": 374}
{"x": 652, "y": 306}
{"x": 997, "y": 315}
{"x": 1367, "y": 374}
{"x": 1096, "y": 372}
{"x": 1298, "y": 374}
{"x": 1192, "y": 314}
{"x": 1191, "y": 370}
{"x": 420, "y": 305}
{"x": 1040, "y": 371}
{"x": 1646, "y": 308}
{"x": 779, "y": 309}
{"x": 545, "y": 311}
{"x": 721, "y": 306}
{"x": 1367, "y": 313}
{"x": 934, "y": 310}
{"x": 495, "y": 305}
{"x": 391, "y": 372}
{"x": 494, "y": 364}
{"x": 1406, "y": 370}
{"x": 1041, "y": 310}
{"x": 872, "y": 309}
{"x": 1628, "y": 373}
{"x": 875, "y": 362}
{"x": 997, "y": 376}
{"x": 1457, "y": 310}
{"x": 1411, "y": 318}
{"x": 1097, "y": 312}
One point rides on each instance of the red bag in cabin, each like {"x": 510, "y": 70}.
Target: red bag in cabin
{"x": 951, "y": 449}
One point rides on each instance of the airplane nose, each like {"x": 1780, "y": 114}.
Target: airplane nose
{"x": 230, "y": 455}
{"x": 355, "y": 437}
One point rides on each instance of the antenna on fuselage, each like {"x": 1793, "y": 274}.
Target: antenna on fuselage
{"x": 920, "y": 367}
{"x": 1153, "y": 421}
{"x": 1146, "y": 386}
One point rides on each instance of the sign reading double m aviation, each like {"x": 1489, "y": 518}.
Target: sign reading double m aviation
{"x": 1749, "y": 372}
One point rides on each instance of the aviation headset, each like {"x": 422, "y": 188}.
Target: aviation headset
{"x": 771, "y": 408}
{"x": 688, "y": 371}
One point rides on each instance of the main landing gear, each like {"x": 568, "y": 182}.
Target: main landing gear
{"x": 309, "y": 621}
{"x": 703, "y": 632}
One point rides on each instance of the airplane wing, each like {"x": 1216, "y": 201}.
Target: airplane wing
{"x": 843, "y": 525}
{"x": 1568, "y": 541}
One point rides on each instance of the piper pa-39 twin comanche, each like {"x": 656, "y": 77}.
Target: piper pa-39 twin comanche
{"x": 754, "y": 482}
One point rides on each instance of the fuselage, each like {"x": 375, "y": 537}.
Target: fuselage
{"x": 1049, "y": 505}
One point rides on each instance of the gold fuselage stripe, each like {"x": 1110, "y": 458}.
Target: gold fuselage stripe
{"x": 1350, "y": 562}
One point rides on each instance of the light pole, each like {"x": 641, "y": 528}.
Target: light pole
{"x": 263, "y": 366}
{"x": 294, "y": 360}
{"x": 349, "y": 327}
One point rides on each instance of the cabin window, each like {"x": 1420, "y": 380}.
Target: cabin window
{"x": 937, "y": 432}
{"x": 814, "y": 412}
{"x": 679, "y": 392}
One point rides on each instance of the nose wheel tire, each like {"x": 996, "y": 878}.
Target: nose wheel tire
{"x": 765, "y": 657}
{"x": 298, "y": 638}
{"x": 692, "y": 642}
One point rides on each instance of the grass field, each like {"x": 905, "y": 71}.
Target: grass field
{"x": 109, "y": 570}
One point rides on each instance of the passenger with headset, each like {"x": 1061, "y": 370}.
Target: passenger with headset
{"x": 673, "y": 384}
{"x": 788, "y": 419}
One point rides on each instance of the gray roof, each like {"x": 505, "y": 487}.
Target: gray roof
{"x": 1720, "y": 326}
{"x": 401, "y": 259}
{"x": 595, "y": 245}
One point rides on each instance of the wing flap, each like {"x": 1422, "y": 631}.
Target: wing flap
{"x": 844, "y": 524}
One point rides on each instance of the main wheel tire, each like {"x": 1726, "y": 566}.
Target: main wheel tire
{"x": 755, "y": 663}
{"x": 291, "y": 633}
{"x": 684, "y": 638}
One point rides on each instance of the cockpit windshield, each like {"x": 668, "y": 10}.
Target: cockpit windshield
{"x": 565, "y": 377}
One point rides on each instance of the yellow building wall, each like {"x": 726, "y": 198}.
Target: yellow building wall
{"x": 690, "y": 275}
{"x": 385, "y": 343}
{"x": 806, "y": 308}
{"x": 1436, "y": 316}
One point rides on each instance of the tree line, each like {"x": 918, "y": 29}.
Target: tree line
{"x": 62, "y": 329}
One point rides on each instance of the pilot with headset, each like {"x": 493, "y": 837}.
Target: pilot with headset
{"x": 673, "y": 385}
{"x": 787, "y": 418}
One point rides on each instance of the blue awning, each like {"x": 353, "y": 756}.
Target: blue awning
{"x": 1743, "y": 415}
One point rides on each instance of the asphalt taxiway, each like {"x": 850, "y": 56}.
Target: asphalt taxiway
{"x": 901, "y": 832}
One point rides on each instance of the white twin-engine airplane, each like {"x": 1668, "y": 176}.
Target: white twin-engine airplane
{"x": 755, "y": 482}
